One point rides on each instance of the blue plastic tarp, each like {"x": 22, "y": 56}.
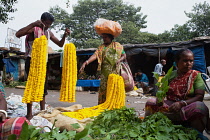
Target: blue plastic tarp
{"x": 91, "y": 53}
{"x": 88, "y": 83}
{"x": 199, "y": 59}
{"x": 10, "y": 66}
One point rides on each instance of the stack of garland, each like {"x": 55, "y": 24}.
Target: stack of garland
{"x": 115, "y": 98}
{"x": 36, "y": 79}
{"x": 69, "y": 74}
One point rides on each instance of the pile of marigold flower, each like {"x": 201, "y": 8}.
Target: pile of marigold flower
{"x": 36, "y": 78}
{"x": 115, "y": 98}
{"x": 69, "y": 74}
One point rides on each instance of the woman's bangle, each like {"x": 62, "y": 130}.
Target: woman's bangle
{"x": 87, "y": 62}
{"x": 3, "y": 111}
{"x": 184, "y": 102}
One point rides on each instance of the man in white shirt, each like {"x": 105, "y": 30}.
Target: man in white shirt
{"x": 158, "y": 69}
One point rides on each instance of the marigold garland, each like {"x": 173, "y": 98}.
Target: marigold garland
{"x": 115, "y": 98}
{"x": 69, "y": 74}
{"x": 135, "y": 88}
{"x": 36, "y": 78}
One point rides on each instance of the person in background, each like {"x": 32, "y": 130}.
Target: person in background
{"x": 184, "y": 100}
{"x": 159, "y": 67}
{"x": 32, "y": 31}
{"x": 141, "y": 80}
{"x": 109, "y": 54}
{"x": 159, "y": 70}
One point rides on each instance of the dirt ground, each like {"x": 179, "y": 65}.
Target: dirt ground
{"x": 88, "y": 99}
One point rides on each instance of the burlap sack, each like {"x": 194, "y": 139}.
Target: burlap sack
{"x": 63, "y": 122}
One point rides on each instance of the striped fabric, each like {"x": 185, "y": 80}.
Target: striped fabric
{"x": 11, "y": 126}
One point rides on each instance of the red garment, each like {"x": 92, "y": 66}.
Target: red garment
{"x": 38, "y": 32}
{"x": 181, "y": 86}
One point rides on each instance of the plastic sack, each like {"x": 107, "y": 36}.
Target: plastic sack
{"x": 42, "y": 123}
{"x": 107, "y": 26}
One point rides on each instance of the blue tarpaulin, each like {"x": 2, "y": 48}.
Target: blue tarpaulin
{"x": 10, "y": 66}
{"x": 91, "y": 53}
{"x": 199, "y": 58}
{"x": 88, "y": 83}
{"x": 15, "y": 73}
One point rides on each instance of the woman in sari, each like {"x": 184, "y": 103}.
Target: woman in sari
{"x": 184, "y": 99}
{"x": 109, "y": 54}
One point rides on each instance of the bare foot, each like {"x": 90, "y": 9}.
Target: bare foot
{"x": 29, "y": 117}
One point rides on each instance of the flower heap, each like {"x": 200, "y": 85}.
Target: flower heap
{"x": 115, "y": 98}
{"x": 69, "y": 74}
{"x": 36, "y": 79}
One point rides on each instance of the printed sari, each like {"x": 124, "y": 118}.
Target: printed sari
{"x": 181, "y": 88}
{"x": 107, "y": 58}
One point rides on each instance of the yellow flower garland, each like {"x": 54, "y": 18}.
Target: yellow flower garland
{"x": 36, "y": 78}
{"x": 69, "y": 74}
{"x": 135, "y": 88}
{"x": 115, "y": 98}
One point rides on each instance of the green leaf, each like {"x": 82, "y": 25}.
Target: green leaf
{"x": 24, "y": 135}
{"x": 12, "y": 137}
{"x": 182, "y": 136}
{"x": 158, "y": 84}
{"x": 163, "y": 86}
{"x": 83, "y": 133}
{"x": 140, "y": 138}
{"x": 108, "y": 137}
{"x": 75, "y": 125}
{"x": 102, "y": 131}
{"x": 71, "y": 133}
{"x": 156, "y": 75}
{"x": 133, "y": 134}
{"x": 34, "y": 138}
{"x": 60, "y": 136}
{"x": 35, "y": 132}
{"x": 114, "y": 131}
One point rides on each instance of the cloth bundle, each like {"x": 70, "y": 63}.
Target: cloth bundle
{"x": 107, "y": 26}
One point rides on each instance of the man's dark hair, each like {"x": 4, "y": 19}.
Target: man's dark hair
{"x": 47, "y": 16}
